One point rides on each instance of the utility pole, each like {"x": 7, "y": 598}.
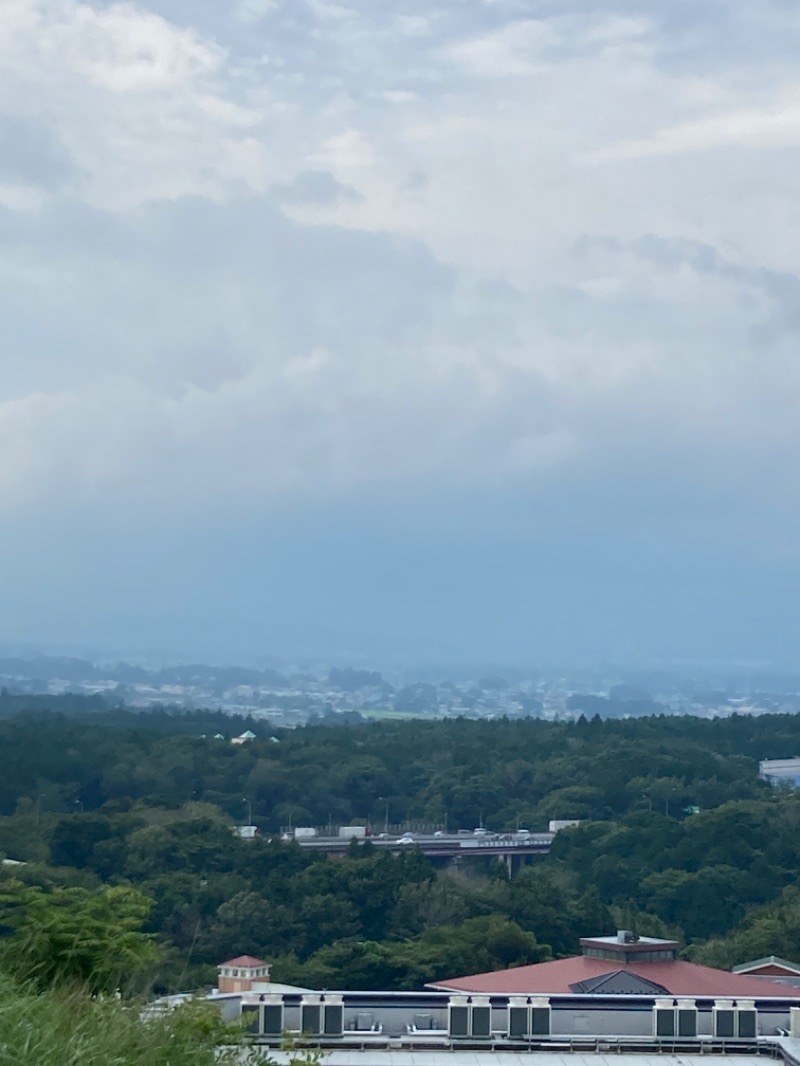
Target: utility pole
{"x": 249, "y": 810}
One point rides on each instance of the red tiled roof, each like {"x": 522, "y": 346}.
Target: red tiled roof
{"x": 679, "y": 978}
{"x": 246, "y": 961}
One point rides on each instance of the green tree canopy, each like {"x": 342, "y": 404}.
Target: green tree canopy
{"x": 76, "y": 937}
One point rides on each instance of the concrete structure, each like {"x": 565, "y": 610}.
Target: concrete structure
{"x": 561, "y": 1057}
{"x": 780, "y": 771}
{"x": 513, "y": 848}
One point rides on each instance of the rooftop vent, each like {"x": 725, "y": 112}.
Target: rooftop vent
{"x": 625, "y": 936}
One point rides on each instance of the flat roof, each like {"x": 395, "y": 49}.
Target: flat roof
{"x": 639, "y": 943}
{"x": 357, "y": 1057}
{"x": 648, "y": 941}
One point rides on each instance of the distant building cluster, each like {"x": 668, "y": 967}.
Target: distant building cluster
{"x": 296, "y": 696}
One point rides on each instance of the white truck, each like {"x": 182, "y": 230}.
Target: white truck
{"x": 347, "y": 832}
{"x": 304, "y": 832}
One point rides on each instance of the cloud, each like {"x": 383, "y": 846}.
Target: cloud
{"x": 233, "y": 353}
{"x": 252, "y": 11}
{"x": 513, "y": 280}
{"x": 480, "y": 281}
{"x": 315, "y": 187}
{"x": 131, "y": 100}
{"x": 347, "y": 149}
{"x": 775, "y": 127}
{"x": 31, "y": 155}
{"x": 508, "y": 52}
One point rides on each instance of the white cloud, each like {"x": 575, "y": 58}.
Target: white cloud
{"x": 777, "y": 126}
{"x": 135, "y": 101}
{"x": 414, "y": 25}
{"x": 252, "y": 11}
{"x": 172, "y": 336}
{"x": 506, "y": 53}
{"x": 347, "y": 149}
{"x": 236, "y": 363}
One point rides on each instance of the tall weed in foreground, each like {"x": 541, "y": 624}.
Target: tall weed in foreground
{"x": 70, "y": 1028}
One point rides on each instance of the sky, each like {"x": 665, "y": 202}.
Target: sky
{"x": 431, "y": 330}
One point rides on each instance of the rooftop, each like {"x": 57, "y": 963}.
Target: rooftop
{"x": 356, "y": 1057}
{"x": 630, "y": 941}
{"x": 561, "y": 977}
{"x": 625, "y": 946}
{"x": 245, "y": 961}
{"x": 773, "y": 961}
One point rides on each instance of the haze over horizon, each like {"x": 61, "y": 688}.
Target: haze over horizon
{"x": 431, "y": 331}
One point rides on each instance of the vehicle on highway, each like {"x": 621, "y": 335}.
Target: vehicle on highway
{"x": 406, "y": 838}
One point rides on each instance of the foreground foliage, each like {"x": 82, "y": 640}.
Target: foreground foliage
{"x": 71, "y": 936}
{"x": 71, "y": 1028}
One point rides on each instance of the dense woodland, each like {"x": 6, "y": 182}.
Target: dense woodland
{"x": 95, "y": 800}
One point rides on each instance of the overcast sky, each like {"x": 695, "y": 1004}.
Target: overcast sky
{"x": 422, "y": 329}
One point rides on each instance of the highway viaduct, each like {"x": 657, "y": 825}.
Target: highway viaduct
{"x": 513, "y": 848}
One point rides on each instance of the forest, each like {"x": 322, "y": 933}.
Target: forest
{"x": 678, "y": 837}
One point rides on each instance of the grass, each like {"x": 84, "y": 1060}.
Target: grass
{"x": 70, "y": 1028}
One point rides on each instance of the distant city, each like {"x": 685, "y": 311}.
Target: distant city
{"x": 293, "y": 696}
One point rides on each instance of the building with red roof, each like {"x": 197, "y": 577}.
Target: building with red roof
{"x": 628, "y": 986}
{"x": 626, "y": 992}
{"x": 613, "y": 966}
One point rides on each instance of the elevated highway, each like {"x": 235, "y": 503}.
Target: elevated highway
{"x": 450, "y": 847}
